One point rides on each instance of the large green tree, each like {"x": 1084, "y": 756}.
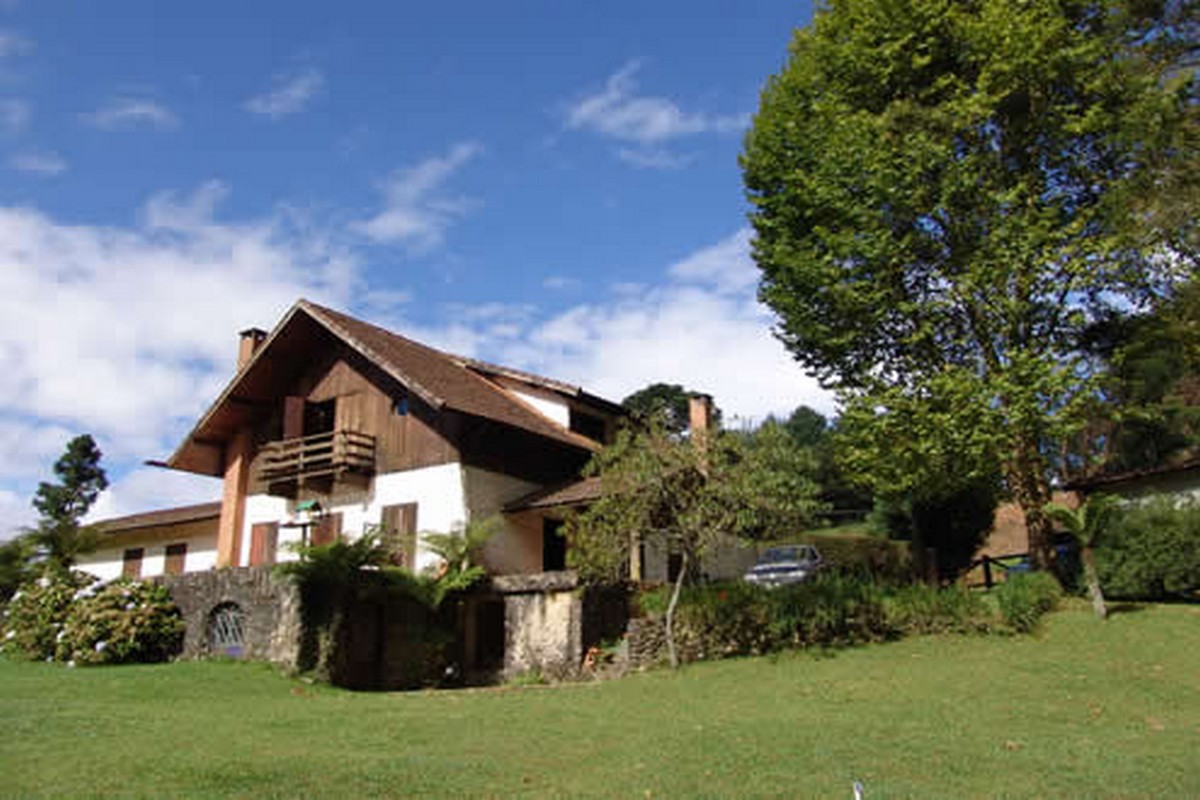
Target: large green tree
{"x": 941, "y": 194}
{"x": 59, "y": 537}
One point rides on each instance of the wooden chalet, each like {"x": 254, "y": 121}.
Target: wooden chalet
{"x": 333, "y": 427}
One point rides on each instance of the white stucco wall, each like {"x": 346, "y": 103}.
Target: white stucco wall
{"x": 108, "y": 563}
{"x": 515, "y": 547}
{"x": 547, "y": 403}
{"x": 438, "y": 491}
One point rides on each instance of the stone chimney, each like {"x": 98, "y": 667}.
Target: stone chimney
{"x": 248, "y": 344}
{"x": 700, "y": 414}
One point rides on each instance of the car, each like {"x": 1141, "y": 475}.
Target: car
{"x": 784, "y": 564}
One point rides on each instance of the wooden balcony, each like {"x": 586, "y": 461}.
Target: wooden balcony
{"x": 317, "y": 462}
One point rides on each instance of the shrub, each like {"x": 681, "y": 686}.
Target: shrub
{"x": 120, "y": 623}
{"x": 1025, "y": 598}
{"x": 831, "y": 609}
{"x": 1152, "y": 551}
{"x": 922, "y": 608}
{"x": 35, "y": 615}
{"x": 872, "y": 556}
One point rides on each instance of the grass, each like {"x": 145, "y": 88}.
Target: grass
{"x": 1083, "y": 709}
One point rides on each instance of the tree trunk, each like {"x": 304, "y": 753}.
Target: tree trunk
{"x": 672, "y": 653}
{"x": 1093, "y": 582}
{"x": 1031, "y": 491}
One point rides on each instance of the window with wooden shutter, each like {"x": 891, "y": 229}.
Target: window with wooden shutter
{"x": 264, "y": 541}
{"x": 131, "y": 563}
{"x": 326, "y": 529}
{"x": 176, "y": 555}
{"x": 399, "y": 533}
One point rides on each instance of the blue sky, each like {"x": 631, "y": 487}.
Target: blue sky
{"x": 548, "y": 185}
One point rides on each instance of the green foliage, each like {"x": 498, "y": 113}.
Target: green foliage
{"x": 460, "y": 552}
{"x": 58, "y": 535}
{"x": 665, "y": 405}
{"x": 15, "y": 557}
{"x": 69, "y": 616}
{"x": 941, "y": 197}
{"x": 730, "y": 619}
{"x": 1151, "y": 551}
{"x": 1025, "y": 598}
{"x": 921, "y": 608}
{"x": 885, "y": 561}
{"x": 34, "y": 617}
{"x": 122, "y": 622}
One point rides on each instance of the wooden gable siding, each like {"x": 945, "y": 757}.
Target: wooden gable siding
{"x": 511, "y": 451}
{"x": 366, "y": 398}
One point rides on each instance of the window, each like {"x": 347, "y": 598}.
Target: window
{"x": 319, "y": 417}
{"x": 176, "y": 555}
{"x": 226, "y": 630}
{"x": 131, "y": 563}
{"x": 554, "y": 546}
{"x": 587, "y": 425}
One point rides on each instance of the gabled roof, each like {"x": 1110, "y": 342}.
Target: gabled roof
{"x": 440, "y": 379}
{"x": 1098, "y": 482}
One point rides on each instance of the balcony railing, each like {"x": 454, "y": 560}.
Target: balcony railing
{"x": 320, "y": 459}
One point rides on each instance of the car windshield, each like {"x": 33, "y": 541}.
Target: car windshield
{"x": 775, "y": 555}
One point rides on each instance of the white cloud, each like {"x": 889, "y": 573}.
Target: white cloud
{"x": 415, "y": 214}
{"x": 131, "y": 112}
{"x": 127, "y": 333}
{"x": 39, "y": 163}
{"x": 725, "y": 266}
{"x": 152, "y": 488}
{"x": 619, "y": 112}
{"x": 290, "y": 93}
{"x": 14, "y": 115}
{"x": 702, "y": 328}
{"x": 14, "y": 44}
{"x": 653, "y": 158}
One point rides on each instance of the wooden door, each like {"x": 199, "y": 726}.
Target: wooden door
{"x": 400, "y": 533}
{"x": 131, "y": 563}
{"x": 264, "y": 540}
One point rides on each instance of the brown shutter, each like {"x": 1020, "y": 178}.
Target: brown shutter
{"x": 176, "y": 554}
{"x": 264, "y": 540}
{"x": 293, "y": 417}
{"x": 327, "y": 529}
{"x": 400, "y": 532}
{"x": 131, "y": 565}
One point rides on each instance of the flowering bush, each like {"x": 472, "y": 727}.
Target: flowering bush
{"x": 119, "y": 623}
{"x": 34, "y": 618}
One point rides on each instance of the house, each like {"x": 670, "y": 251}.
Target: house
{"x": 1180, "y": 479}
{"x": 333, "y": 427}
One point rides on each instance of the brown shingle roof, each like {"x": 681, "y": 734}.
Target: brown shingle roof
{"x": 572, "y": 494}
{"x": 167, "y": 516}
{"x": 440, "y": 378}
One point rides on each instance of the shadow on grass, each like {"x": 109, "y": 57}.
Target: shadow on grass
{"x": 1125, "y": 608}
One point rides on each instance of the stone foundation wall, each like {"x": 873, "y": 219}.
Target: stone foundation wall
{"x": 271, "y": 607}
{"x": 646, "y": 639}
{"x": 543, "y": 623}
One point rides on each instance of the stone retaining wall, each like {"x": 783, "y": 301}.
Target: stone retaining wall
{"x": 270, "y": 606}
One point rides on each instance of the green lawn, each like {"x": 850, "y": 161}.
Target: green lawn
{"x": 1083, "y": 709}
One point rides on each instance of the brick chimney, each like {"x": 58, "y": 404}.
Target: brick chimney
{"x": 248, "y": 344}
{"x": 700, "y": 413}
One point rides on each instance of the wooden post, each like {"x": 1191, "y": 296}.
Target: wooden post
{"x": 238, "y": 456}
{"x": 987, "y": 572}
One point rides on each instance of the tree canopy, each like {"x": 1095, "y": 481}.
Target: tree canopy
{"x": 58, "y": 535}
{"x": 941, "y": 198}
{"x": 663, "y": 404}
